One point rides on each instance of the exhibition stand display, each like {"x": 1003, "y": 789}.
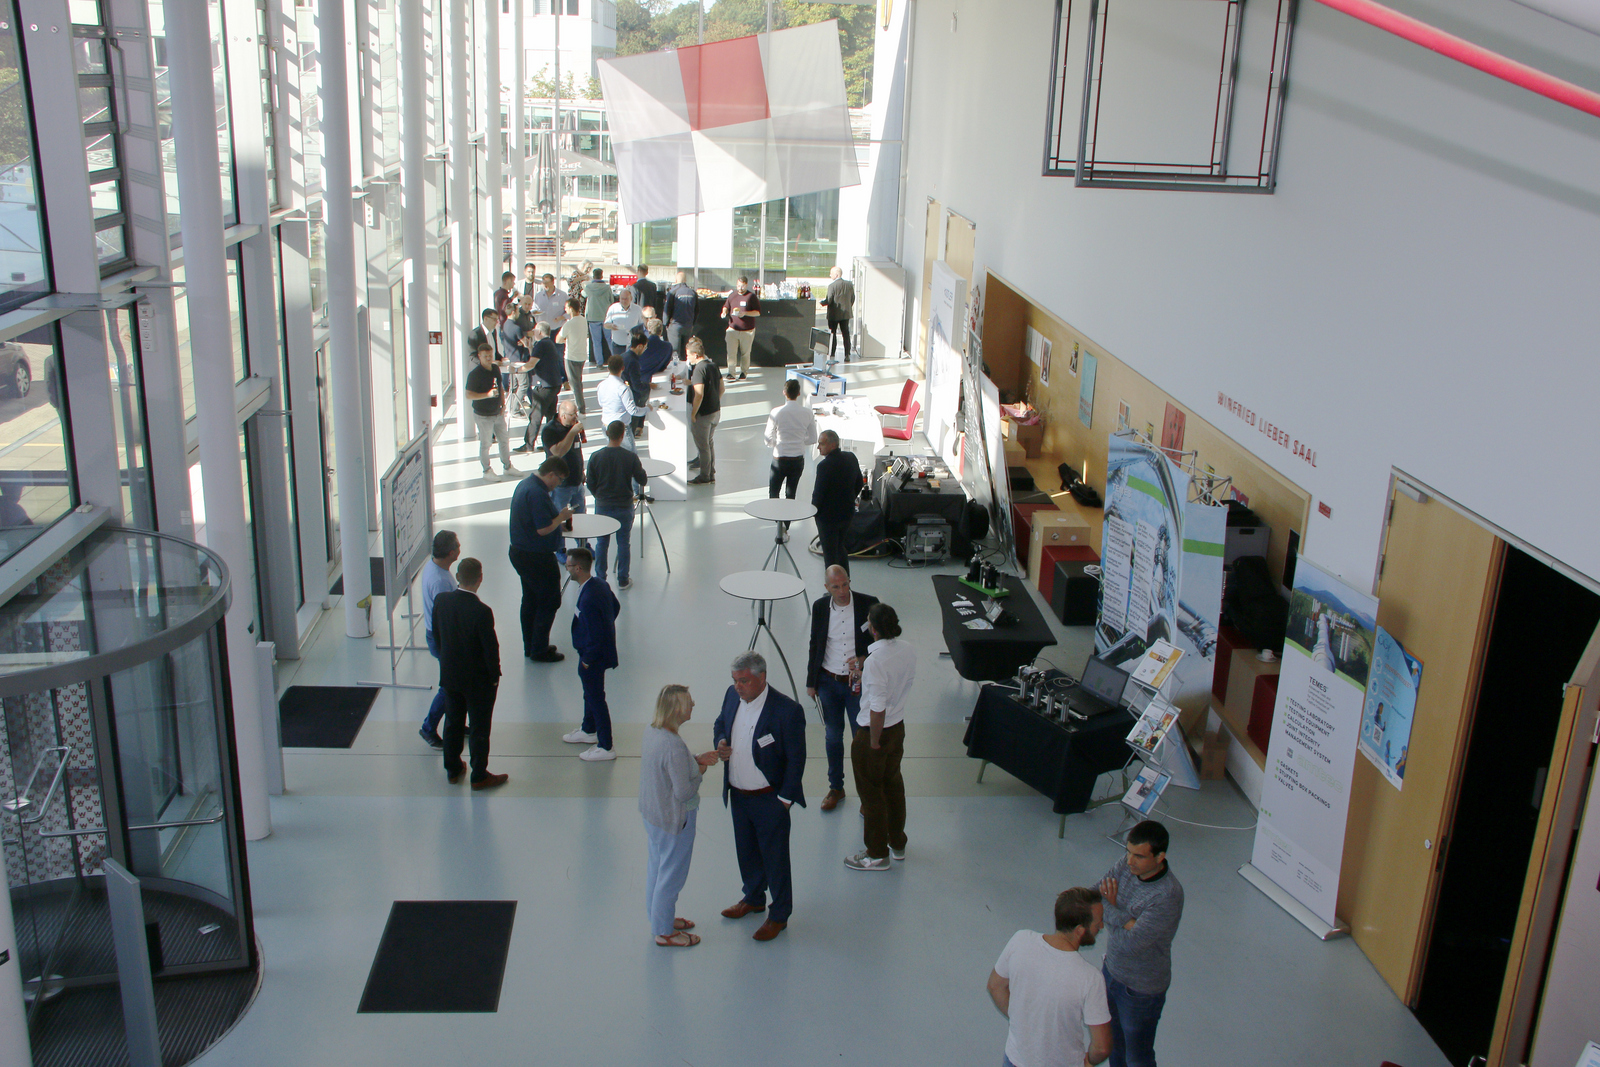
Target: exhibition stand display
{"x": 1060, "y": 758}
{"x": 990, "y": 653}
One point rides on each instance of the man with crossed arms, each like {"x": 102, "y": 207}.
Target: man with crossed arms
{"x": 839, "y": 640}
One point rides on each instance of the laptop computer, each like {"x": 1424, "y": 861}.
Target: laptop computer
{"x": 1099, "y": 690}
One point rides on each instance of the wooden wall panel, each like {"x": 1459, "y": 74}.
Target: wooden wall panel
{"x": 1282, "y": 504}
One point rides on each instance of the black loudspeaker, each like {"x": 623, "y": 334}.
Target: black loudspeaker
{"x": 1074, "y": 597}
{"x": 974, "y": 524}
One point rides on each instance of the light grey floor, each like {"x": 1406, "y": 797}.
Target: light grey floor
{"x": 874, "y": 968}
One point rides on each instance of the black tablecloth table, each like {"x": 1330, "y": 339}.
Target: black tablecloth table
{"x": 901, "y": 506}
{"x": 991, "y": 655}
{"x": 783, "y": 331}
{"x": 1059, "y": 759}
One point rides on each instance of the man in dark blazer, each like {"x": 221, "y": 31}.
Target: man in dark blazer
{"x": 839, "y": 640}
{"x": 594, "y": 638}
{"x": 761, "y": 737}
{"x": 486, "y": 334}
{"x": 469, "y": 674}
{"x": 838, "y": 483}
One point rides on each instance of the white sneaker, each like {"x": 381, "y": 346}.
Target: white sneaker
{"x": 897, "y": 854}
{"x": 863, "y": 862}
{"x": 578, "y": 737}
{"x": 597, "y": 753}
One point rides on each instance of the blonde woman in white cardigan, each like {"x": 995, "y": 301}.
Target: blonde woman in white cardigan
{"x": 669, "y": 799}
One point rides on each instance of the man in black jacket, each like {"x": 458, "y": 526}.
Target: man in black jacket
{"x": 469, "y": 674}
{"x": 681, "y": 302}
{"x": 834, "y": 493}
{"x": 839, "y": 640}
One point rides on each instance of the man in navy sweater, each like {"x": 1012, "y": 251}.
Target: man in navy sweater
{"x": 594, "y": 638}
{"x": 761, "y": 737}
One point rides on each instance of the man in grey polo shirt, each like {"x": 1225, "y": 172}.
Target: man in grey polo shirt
{"x": 1143, "y": 903}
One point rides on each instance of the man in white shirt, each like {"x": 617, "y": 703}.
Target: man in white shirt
{"x": 791, "y": 428}
{"x": 875, "y": 753}
{"x": 436, "y": 579}
{"x": 621, "y": 318}
{"x": 761, "y": 737}
{"x": 616, "y": 400}
{"x": 1049, "y": 993}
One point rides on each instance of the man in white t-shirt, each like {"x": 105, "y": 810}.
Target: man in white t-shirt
{"x": 1049, "y": 993}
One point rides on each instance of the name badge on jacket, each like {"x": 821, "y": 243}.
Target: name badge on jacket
{"x": 765, "y": 741}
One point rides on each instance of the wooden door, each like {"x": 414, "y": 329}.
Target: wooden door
{"x": 1436, "y": 595}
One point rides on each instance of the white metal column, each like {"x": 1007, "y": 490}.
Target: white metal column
{"x": 194, "y": 123}
{"x": 343, "y": 352}
{"x": 494, "y": 148}
{"x": 414, "y": 218}
{"x": 519, "y": 143}
{"x": 462, "y": 220}
{"x": 266, "y": 430}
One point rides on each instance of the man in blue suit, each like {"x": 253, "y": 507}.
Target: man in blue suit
{"x": 761, "y": 737}
{"x": 594, "y": 638}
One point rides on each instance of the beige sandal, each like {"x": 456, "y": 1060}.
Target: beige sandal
{"x": 682, "y": 924}
{"x": 681, "y": 939}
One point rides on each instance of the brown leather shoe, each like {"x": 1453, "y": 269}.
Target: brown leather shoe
{"x": 456, "y": 776}
{"x": 491, "y": 781}
{"x": 768, "y": 931}
{"x": 831, "y": 801}
{"x": 741, "y": 909}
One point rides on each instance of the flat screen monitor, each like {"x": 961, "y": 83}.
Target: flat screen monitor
{"x": 1104, "y": 680}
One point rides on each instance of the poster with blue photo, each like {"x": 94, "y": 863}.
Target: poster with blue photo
{"x": 1391, "y": 702}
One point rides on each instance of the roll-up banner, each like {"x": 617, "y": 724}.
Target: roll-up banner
{"x": 1161, "y": 569}
{"x": 1327, "y": 657}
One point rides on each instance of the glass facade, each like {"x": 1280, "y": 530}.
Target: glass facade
{"x": 35, "y": 479}
{"x": 23, "y": 270}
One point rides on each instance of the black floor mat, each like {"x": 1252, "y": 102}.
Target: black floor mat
{"x": 377, "y": 579}
{"x": 324, "y": 716}
{"x": 441, "y": 956}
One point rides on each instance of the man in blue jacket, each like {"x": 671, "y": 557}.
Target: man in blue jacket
{"x": 594, "y": 638}
{"x": 761, "y": 737}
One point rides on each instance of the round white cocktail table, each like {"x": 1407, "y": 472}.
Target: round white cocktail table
{"x": 763, "y": 587}
{"x": 781, "y": 511}
{"x": 654, "y": 468}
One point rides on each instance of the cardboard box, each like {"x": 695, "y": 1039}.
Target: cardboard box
{"x": 1030, "y": 437}
{"x": 1061, "y": 528}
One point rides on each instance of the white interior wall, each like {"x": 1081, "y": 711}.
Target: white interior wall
{"x": 1422, "y": 291}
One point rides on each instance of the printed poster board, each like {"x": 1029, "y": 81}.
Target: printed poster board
{"x": 406, "y": 495}
{"x": 1391, "y": 702}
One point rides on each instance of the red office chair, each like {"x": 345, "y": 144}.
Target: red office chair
{"x": 906, "y": 393}
{"x": 910, "y": 427}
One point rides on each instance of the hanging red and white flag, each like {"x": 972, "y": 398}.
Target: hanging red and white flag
{"x": 730, "y": 123}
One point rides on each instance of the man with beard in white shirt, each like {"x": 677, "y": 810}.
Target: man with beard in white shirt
{"x": 1049, "y": 994}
